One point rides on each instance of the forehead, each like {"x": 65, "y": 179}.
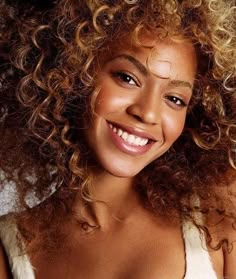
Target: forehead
{"x": 164, "y": 58}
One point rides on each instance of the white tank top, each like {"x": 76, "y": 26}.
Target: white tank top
{"x": 198, "y": 262}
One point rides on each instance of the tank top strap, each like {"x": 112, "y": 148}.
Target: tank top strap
{"x": 198, "y": 262}
{"x": 19, "y": 262}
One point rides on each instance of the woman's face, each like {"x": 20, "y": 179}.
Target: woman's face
{"x": 141, "y": 106}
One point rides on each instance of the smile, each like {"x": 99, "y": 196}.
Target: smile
{"x": 130, "y": 141}
{"x": 130, "y": 138}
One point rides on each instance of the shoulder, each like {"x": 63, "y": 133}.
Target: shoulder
{"x": 14, "y": 247}
{"x": 228, "y": 230}
{"x": 230, "y": 250}
{"x": 5, "y": 272}
{"x": 4, "y": 266}
{"x": 222, "y": 229}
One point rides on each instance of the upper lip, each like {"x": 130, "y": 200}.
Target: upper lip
{"x": 134, "y": 131}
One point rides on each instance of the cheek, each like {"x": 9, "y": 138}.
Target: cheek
{"x": 110, "y": 100}
{"x": 102, "y": 103}
{"x": 173, "y": 126}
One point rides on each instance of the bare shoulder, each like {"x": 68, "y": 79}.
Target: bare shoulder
{"x": 229, "y": 232}
{"x": 230, "y": 252}
{"x": 224, "y": 259}
{"x": 222, "y": 229}
{"x": 226, "y": 231}
{"x": 4, "y": 268}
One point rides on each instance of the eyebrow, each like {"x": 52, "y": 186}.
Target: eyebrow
{"x": 145, "y": 72}
{"x": 134, "y": 61}
{"x": 180, "y": 83}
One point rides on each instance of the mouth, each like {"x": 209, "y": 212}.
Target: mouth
{"x": 129, "y": 140}
{"x": 129, "y": 137}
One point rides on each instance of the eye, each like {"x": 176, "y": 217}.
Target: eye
{"x": 126, "y": 78}
{"x": 176, "y": 101}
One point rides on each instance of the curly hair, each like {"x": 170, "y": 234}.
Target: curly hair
{"x": 48, "y": 75}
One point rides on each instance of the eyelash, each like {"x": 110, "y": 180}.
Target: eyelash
{"x": 126, "y": 78}
{"x": 176, "y": 101}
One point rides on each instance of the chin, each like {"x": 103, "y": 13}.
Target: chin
{"x": 123, "y": 172}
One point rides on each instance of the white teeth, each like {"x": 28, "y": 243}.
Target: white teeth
{"x": 137, "y": 141}
{"x": 124, "y": 135}
{"x": 131, "y": 139}
{"x": 144, "y": 141}
{"x": 119, "y": 132}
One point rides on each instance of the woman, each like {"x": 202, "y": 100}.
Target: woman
{"x": 118, "y": 122}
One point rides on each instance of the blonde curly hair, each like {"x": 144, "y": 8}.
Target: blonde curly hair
{"x": 48, "y": 75}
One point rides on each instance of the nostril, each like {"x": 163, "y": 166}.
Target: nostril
{"x": 138, "y": 118}
{"x": 144, "y": 112}
{"x": 144, "y": 119}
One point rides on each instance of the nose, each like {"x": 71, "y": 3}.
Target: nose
{"x": 146, "y": 108}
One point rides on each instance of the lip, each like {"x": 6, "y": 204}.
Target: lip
{"x": 135, "y": 131}
{"x": 127, "y": 147}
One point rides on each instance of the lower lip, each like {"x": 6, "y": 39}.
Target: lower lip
{"x": 127, "y": 147}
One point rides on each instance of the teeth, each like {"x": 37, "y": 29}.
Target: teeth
{"x": 119, "y": 132}
{"x": 124, "y": 135}
{"x": 144, "y": 141}
{"x": 137, "y": 141}
{"x": 131, "y": 139}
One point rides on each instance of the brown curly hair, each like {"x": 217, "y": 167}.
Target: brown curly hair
{"x": 48, "y": 74}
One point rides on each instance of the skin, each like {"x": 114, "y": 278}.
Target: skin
{"x": 148, "y": 101}
{"x": 4, "y": 269}
{"x": 151, "y": 100}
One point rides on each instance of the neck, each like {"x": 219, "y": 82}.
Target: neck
{"x": 113, "y": 199}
